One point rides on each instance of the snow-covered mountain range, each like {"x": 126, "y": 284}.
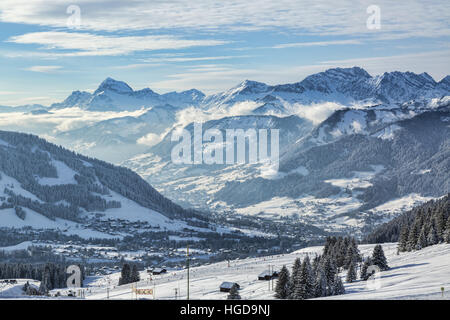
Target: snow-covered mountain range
{"x": 113, "y": 95}
{"x": 355, "y": 148}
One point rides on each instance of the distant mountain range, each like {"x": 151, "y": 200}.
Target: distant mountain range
{"x": 355, "y": 148}
{"x": 113, "y": 95}
{"x": 347, "y": 86}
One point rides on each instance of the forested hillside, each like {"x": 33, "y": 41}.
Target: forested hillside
{"x": 56, "y": 182}
{"x": 420, "y": 227}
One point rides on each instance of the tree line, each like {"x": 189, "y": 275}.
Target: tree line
{"x": 320, "y": 278}
{"x": 425, "y": 225}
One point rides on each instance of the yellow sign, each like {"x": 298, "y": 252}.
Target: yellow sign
{"x": 143, "y": 291}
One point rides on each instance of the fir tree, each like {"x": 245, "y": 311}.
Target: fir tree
{"x": 368, "y": 262}
{"x": 125, "y": 276}
{"x": 295, "y": 276}
{"x": 432, "y": 237}
{"x": 440, "y": 225}
{"x": 320, "y": 285}
{"x": 447, "y": 231}
{"x": 351, "y": 273}
{"x": 422, "y": 241}
{"x": 413, "y": 237}
{"x": 135, "y": 274}
{"x": 282, "y": 288}
{"x": 304, "y": 288}
{"x": 403, "y": 239}
{"x": 330, "y": 270}
{"x": 379, "y": 259}
{"x": 338, "y": 286}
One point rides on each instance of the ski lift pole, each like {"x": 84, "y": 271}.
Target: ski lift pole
{"x": 187, "y": 265}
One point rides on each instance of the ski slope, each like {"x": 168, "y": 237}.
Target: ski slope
{"x": 413, "y": 275}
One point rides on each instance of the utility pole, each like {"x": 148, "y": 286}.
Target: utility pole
{"x": 107, "y": 288}
{"x": 271, "y": 277}
{"x": 187, "y": 264}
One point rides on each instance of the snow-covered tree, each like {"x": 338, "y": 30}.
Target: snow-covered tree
{"x": 351, "y": 273}
{"x": 447, "y": 231}
{"x": 367, "y": 262}
{"x": 304, "y": 288}
{"x": 134, "y": 274}
{"x": 125, "y": 276}
{"x": 379, "y": 259}
{"x": 295, "y": 276}
{"x": 320, "y": 284}
{"x": 432, "y": 237}
{"x": 282, "y": 288}
{"x": 338, "y": 286}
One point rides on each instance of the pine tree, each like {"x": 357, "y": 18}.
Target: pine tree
{"x": 351, "y": 274}
{"x": 304, "y": 288}
{"x": 413, "y": 236}
{"x": 338, "y": 286}
{"x": 282, "y": 288}
{"x": 403, "y": 239}
{"x": 440, "y": 225}
{"x": 422, "y": 241}
{"x": 125, "y": 276}
{"x": 295, "y": 276}
{"x": 446, "y": 233}
{"x": 432, "y": 237}
{"x": 135, "y": 274}
{"x": 320, "y": 285}
{"x": 368, "y": 262}
{"x": 379, "y": 259}
{"x": 234, "y": 293}
{"x": 330, "y": 270}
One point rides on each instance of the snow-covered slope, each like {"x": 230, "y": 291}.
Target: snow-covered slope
{"x": 44, "y": 186}
{"x": 413, "y": 275}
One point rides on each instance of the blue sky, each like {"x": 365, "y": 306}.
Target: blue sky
{"x": 50, "y": 48}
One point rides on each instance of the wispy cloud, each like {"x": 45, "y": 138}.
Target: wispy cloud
{"x": 316, "y": 44}
{"x": 89, "y": 44}
{"x": 193, "y": 59}
{"x": 343, "y": 17}
{"x": 43, "y": 69}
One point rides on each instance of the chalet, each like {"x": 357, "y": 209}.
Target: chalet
{"x": 158, "y": 271}
{"x": 266, "y": 275}
{"x": 226, "y": 286}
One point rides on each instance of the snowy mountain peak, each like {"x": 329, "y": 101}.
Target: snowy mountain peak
{"x": 109, "y": 84}
{"x": 348, "y": 72}
{"x": 445, "y": 83}
{"x": 250, "y": 87}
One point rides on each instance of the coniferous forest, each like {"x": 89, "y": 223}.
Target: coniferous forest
{"x": 423, "y": 226}
{"x": 320, "y": 277}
